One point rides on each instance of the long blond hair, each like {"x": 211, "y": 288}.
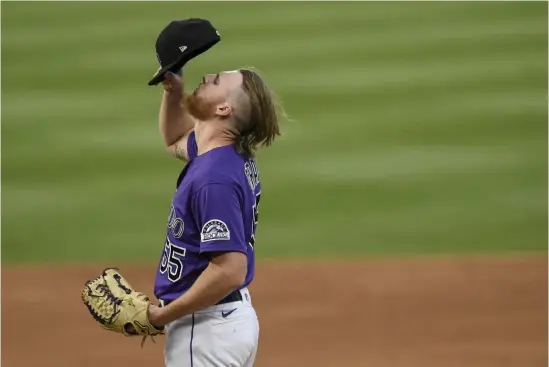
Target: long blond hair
{"x": 262, "y": 123}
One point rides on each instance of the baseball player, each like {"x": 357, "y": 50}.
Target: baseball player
{"x": 208, "y": 256}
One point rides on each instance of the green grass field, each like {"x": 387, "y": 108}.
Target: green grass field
{"x": 419, "y": 127}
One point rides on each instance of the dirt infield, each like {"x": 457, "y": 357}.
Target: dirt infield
{"x": 428, "y": 312}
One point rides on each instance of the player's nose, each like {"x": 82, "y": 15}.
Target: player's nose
{"x": 209, "y": 78}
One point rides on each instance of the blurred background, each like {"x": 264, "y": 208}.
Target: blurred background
{"x": 417, "y": 127}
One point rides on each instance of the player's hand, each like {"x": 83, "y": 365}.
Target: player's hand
{"x": 172, "y": 83}
{"x": 155, "y": 315}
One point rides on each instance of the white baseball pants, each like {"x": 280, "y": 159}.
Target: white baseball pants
{"x": 223, "y": 335}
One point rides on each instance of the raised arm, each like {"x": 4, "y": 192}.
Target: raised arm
{"x": 175, "y": 123}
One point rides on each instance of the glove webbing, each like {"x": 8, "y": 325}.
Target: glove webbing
{"x": 113, "y": 301}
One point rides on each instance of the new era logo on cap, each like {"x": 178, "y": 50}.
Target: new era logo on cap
{"x": 182, "y": 48}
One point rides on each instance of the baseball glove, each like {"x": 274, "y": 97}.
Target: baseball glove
{"x": 117, "y": 307}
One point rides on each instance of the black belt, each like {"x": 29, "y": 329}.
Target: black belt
{"x": 232, "y": 297}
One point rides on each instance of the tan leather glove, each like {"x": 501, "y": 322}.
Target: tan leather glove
{"x": 117, "y": 307}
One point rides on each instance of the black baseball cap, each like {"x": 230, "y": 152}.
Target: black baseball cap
{"x": 180, "y": 41}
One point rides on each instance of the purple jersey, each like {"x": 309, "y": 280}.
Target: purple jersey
{"x": 215, "y": 208}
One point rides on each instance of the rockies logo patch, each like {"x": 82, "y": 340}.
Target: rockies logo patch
{"x": 215, "y": 230}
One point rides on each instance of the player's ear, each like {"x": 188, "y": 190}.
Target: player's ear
{"x": 223, "y": 109}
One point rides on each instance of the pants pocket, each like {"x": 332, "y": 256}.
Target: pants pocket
{"x": 228, "y": 344}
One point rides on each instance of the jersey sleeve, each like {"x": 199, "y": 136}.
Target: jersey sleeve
{"x": 192, "y": 148}
{"x": 219, "y": 215}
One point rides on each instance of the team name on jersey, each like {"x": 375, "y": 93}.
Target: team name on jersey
{"x": 252, "y": 173}
{"x": 175, "y": 224}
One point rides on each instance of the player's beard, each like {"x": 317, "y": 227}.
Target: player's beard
{"x": 198, "y": 108}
